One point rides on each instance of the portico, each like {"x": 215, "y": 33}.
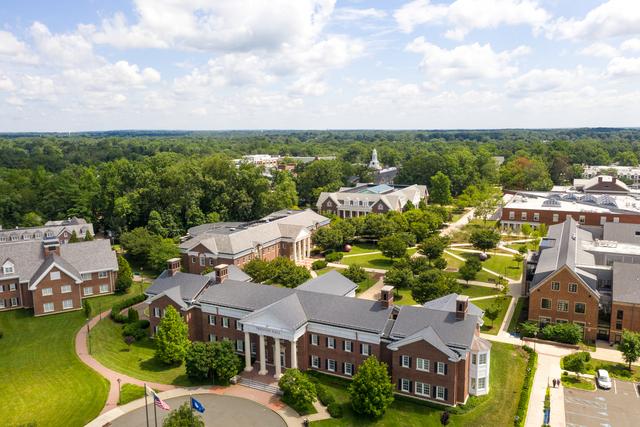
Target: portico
{"x": 301, "y": 248}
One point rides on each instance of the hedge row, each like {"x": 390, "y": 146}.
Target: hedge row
{"x": 117, "y": 308}
{"x": 525, "y": 394}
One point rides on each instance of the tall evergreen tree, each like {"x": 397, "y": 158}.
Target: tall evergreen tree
{"x": 172, "y": 338}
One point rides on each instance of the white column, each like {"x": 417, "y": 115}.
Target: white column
{"x": 276, "y": 358}
{"x": 247, "y": 353}
{"x": 295, "y": 252}
{"x": 263, "y": 361}
{"x": 294, "y": 354}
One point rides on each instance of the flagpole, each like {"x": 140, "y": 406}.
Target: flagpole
{"x": 146, "y": 405}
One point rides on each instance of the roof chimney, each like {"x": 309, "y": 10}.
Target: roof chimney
{"x": 386, "y": 296}
{"x": 173, "y": 266}
{"x": 462, "y": 304}
{"x": 222, "y": 272}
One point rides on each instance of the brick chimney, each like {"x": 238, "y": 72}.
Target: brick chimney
{"x": 222, "y": 272}
{"x": 462, "y": 304}
{"x": 51, "y": 246}
{"x": 173, "y": 266}
{"x": 386, "y": 296}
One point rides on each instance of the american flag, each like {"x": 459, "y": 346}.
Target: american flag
{"x": 159, "y": 402}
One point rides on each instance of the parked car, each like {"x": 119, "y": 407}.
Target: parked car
{"x": 603, "y": 379}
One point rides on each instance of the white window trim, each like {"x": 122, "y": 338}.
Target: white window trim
{"x": 480, "y": 357}
{"x": 562, "y": 302}
{"x": 225, "y": 322}
{"x": 424, "y": 362}
{"x": 348, "y": 346}
{"x": 156, "y": 312}
{"x": 49, "y": 292}
{"x": 90, "y": 290}
{"x": 438, "y": 390}
{"x": 329, "y": 363}
{"x": 569, "y": 288}
{"x": 54, "y": 275}
{"x": 405, "y": 382}
{"x": 558, "y": 286}
{"x": 212, "y": 319}
{"x": 438, "y": 366}
{"x": 65, "y": 289}
{"x": 367, "y": 348}
{"x": 105, "y": 287}
{"x": 405, "y": 361}
{"x": 67, "y": 308}
{"x": 45, "y": 305}
{"x": 315, "y": 339}
{"x": 349, "y": 371}
{"x": 550, "y": 304}
{"x": 315, "y": 362}
{"x": 331, "y": 342}
{"x": 423, "y": 386}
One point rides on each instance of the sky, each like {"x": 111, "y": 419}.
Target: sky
{"x": 318, "y": 64}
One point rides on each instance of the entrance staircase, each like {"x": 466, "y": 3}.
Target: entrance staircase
{"x": 247, "y": 382}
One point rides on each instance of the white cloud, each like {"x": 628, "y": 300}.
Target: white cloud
{"x": 112, "y": 76}
{"x": 600, "y": 50}
{"x": 354, "y": 14}
{"x": 14, "y": 50}
{"x": 623, "y": 67}
{"x": 309, "y": 84}
{"x": 465, "y": 62}
{"x": 632, "y": 45}
{"x": 610, "y": 19}
{"x": 63, "y": 49}
{"x": 464, "y": 16}
{"x": 545, "y": 80}
{"x": 6, "y": 84}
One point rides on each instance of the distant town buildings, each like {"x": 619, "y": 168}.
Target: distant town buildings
{"x": 381, "y": 175}
{"x": 363, "y": 199}
{"x": 285, "y": 233}
{"x": 62, "y": 230}
{"x": 630, "y": 174}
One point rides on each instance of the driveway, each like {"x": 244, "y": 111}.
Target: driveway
{"x": 618, "y": 407}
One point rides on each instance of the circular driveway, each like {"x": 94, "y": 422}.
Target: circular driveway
{"x": 220, "y": 410}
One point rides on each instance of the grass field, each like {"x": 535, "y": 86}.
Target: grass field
{"x": 362, "y": 248}
{"x": 519, "y": 315}
{"x": 373, "y": 260}
{"x": 496, "y": 409}
{"x": 503, "y": 265}
{"x": 502, "y": 304}
{"x": 129, "y": 393}
{"x": 478, "y": 291}
{"x": 616, "y": 370}
{"x": 403, "y": 297}
{"x": 579, "y": 383}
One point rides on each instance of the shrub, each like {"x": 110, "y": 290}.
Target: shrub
{"x": 324, "y": 395}
{"x": 132, "y": 315}
{"x": 333, "y": 257}
{"x": 529, "y": 329}
{"x": 117, "y": 308}
{"x": 136, "y": 329}
{"x": 319, "y": 264}
{"x": 523, "y": 403}
{"x": 297, "y": 389}
{"x": 576, "y": 362}
{"x": 199, "y": 361}
{"x": 568, "y": 333}
{"x": 335, "y": 410}
{"x": 355, "y": 273}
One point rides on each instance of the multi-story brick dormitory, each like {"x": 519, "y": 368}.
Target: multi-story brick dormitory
{"x": 53, "y": 278}
{"x": 62, "y": 230}
{"x": 589, "y": 277}
{"x": 283, "y": 233}
{"x": 434, "y": 352}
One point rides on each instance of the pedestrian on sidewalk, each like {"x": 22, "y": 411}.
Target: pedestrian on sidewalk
{"x": 554, "y": 383}
{"x": 558, "y": 382}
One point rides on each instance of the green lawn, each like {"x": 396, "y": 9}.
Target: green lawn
{"x": 530, "y": 245}
{"x": 129, "y": 393}
{"x": 616, "y": 370}
{"x": 502, "y": 304}
{"x": 496, "y": 409}
{"x": 473, "y": 291}
{"x": 374, "y": 260}
{"x": 361, "y": 248}
{"x": 579, "y": 383}
{"x": 499, "y": 264}
{"x": 519, "y": 315}
{"x": 324, "y": 270}
{"x": 139, "y": 362}
{"x": 367, "y": 283}
{"x": 403, "y": 297}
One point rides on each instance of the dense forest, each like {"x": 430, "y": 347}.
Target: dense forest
{"x": 123, "y": 180}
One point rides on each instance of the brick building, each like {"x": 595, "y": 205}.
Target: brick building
{"x": 363, "y": 199}
{"x": 433, "y": 352}
{"x": 61, "y": 230}
{"x": 283, "y": 233}
{"x": 51, "y": 277}
{"x": 589, "y": 277}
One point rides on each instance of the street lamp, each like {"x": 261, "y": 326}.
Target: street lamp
{"x": 119, "y": 389}
{"x": 535, "y": 336}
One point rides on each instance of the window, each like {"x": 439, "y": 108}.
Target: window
{"x": 555, "y": 218}
{"x": 14, "y": 301}
{"x": 87, "y": 291}
{"x": 1, "y": 288}
{"x": 555, "y": 286}
{"x": 48, "y": 307}
{"x": 240, "y": 346}
{"x": 238, "y": 325}
{"x": 573, "y": 287}
{"x": 155, "y": 330}
{"x": 65, "y": 289}
{"x": 545, "y": 304}
{"x": 12, "y": 287}
{"x": 347, "y": 346}
{"x": 563, "y": 306}
{"x": 544, "y": 320}
{"x": 618, "y": 324}
{"x": 441, "y": 368}
{"x": 331, "y": 365}
{"x": 473, "y": 383}
{"x": 512, "y": 215}
{"x": 581, "y": 219}
{"x": 225, "y": 322}
{"x": 8, "y": 268}
{"x": 103, "y": 274}
{"x": 603, "y": 220}
{"x": 86, "y": 276}
{"x": 1, "y": 303}
{"x": 348, "y": 369}
{"x": 423, "y": 389}
{"x": 47, "y": 291}
{"x": 523, "y": 216}
{"x": 314, "y": 339}
{"x": 482, "y": 383}
{"x": 405, "y": 361}
{"x": 315, "y": 362}
{"x": 405, "y": 385}
{"x": 620, "y": 314}
{"x": 482, "y": 358}
{"x": 441, "y": 393}
{"x": 616, "y": 219}
{"x": 474, "y": 359}
{"x": 331, "y": 342}
{"x": 55, "y": 275}
{"x": 536, "y": 217}
{"x": 193, "y": 260}
{"x": 203, "y": 261}
{"x": 212, "y": 319}
{"x": 560, "y": 321}
{"x": 365, "y": 349}
{"x": 67, "y": 304}
{"x": 156, "y": 311}
{"x": 422, "y": 364}
{"x": 212, "y": 337}
{"x": 253, "y": 348}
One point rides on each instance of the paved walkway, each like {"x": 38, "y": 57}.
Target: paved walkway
{"x": 461, "y": 222}
{"x": 458, "y": 257}
{"x": 344, "y": 266}
{"x": 373, "y": 292}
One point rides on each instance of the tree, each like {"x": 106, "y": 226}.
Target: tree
{"x": 470, "y": 269}
{"x": 393, "y": 246}
{"x": 138, "y": 243}
{"x": 492, "y": 313}
{"x": 440, "y": 189}
{"x": 518, "y": 258}
{"x": 346, "y": 228}
{"x": 630, "y": 346}
{"x": 526, "y": 229}
{"x": 258, "y": 270}
{"x": 355, "y": 273}
{"x": 154, "y": 224}
{"x": 522, "y": 173}
{"x": 433, "y": 247}
{"x": 484, "y": 238}
{"x": 433, "y": 284}
{"x": 319, "y": 176}
{"x": 161, "y": 250}
{"x": 378, "y": 226}
{"x": 226, "y": 363}
{"x": 87, "y": 236}
{"x": 328, "y": 238}
{"x": 285, "y": 272}
{"x": 297, "y": 388}
{"x": 399, "y": 278}
{"x": 128, "y": 340}
{"x": 31, "y": 219}
{"x": 371, "y": 389}
{"x": 125, "y": 275}
{"x": 172, "y": 337}
{"x": 184, "y": 416}
{"x": 74, "y": 237}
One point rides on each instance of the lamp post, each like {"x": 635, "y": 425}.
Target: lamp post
{"x": 535, "y": 336}
{"x": 119, "y": 389}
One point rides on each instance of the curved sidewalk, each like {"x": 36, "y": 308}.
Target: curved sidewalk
{"x": 111, "y": 376}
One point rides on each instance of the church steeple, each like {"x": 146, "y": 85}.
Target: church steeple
{"x": 374, "y": 163}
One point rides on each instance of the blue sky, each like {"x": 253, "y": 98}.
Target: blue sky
{"x": 317, "y": 64}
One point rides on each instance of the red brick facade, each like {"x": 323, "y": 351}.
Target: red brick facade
{"x": 623, "y": 316}
{"x": 550, "y": 217}
{"x": 196, "y": 264}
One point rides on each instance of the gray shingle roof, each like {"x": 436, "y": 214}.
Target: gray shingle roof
{"x": 626, "y": 283}
{"x": 26, "y": 257}
{"x": 448, "y": 303}
{"x": 243, "y": 295}
{"x": 189, "y": 285}
{"x": 332, "y": 283}
{"x": 429, "y": 335}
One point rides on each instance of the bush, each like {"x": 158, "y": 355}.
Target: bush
{"x": 529, "y": 329}
{"x": 319, "y": 264}
{"x": 298, "y": 391}
{"x": 335, "y": 410}
{"x": 576, "y": 362}
{"x": 136, "y": 329}
{"x": 132, "y": 315}
{"x": 117, "y": 308}
{"x": 523, "y": 403}
{"x": 333, "y": 257}
{"x": 567, "y": 333}
{"x": 355, "y": 273}
{"x": 324, "y": 395}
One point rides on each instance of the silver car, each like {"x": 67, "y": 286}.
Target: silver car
{"x": 603, "y": 379}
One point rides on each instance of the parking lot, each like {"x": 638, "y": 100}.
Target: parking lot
{"x": 618, "y": 407}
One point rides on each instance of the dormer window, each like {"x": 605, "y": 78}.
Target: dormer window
{"x": 38, "y": 235}
{"x": 8, "y": 268}
{"x": 49, "y": 234}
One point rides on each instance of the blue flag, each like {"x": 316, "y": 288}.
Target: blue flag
{"x": 197, "y": 405}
